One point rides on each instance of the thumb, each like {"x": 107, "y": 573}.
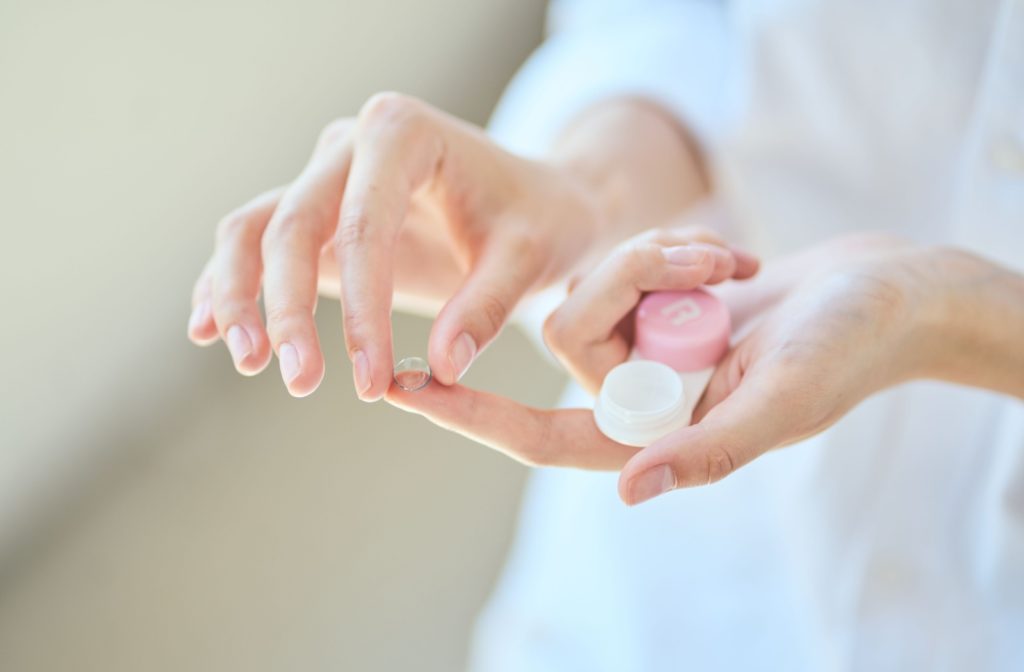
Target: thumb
{"x": 471, "y": 319}
{"x": 738, "y": 429}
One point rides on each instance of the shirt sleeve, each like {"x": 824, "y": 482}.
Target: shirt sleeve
{"x": 674, "y": 53}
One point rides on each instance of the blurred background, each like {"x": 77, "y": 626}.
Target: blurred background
{"x": 158, "y": 511}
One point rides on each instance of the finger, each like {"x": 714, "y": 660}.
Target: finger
{"x": 744, "y": 425}
{"x": 397, "y": 151}
{"x": 564, "y": 438}
{"x": 304, "y": 221}
{"x": 202, "y": 330}
{"x": 505, "y": 270}
{"x": 724, "y": 381}
{"x": 583, "y": 332}
{"x": 682, "y": 235}
{"x": 724, "y": 264}
{"x": 235, "y": 273}
{"x": 747, "y": 264}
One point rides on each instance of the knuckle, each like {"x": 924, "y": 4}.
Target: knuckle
{"x": 231, "y": 290}
{"x": 538, "y": 452}
{"x": 354, "y": 230}
{"x": 290, "y": 222}
{"x": 276, "y": 314}
{"x": 232, "y": 226}
{"x": 228, "y": 309}
{"x": 494, "y": 312}
{"x": 354, "y": 322}
{"x": 638, "y": 259}
{"x": 334, "y": 132}
{"x": 719, "y": 464}
{"x": 389, "y": 108}
{"x": 284, "y": 320}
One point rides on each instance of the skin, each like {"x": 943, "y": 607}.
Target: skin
{"x": 824, "y": 330}
{"x": 410, "y": 203}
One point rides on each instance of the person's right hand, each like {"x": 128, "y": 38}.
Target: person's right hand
{"x": 403, "y": 198}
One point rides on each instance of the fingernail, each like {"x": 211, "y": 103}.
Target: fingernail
{"x": 288, "y": 357}
{"x": 462, "y": 353}
{"x": 684, "y": 255}
{"x": 239, "y": 344}
{"x": 361, "y": 372}
{"x": 651, "y": 483}
{"x": 199, "y": 315}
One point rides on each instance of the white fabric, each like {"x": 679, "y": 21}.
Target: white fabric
{"x": 893, "y": 541}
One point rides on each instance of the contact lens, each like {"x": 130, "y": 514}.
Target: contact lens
{"x": 412, "y": 374}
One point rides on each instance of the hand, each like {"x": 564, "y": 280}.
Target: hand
{"x": 406, "y": 199}
{"x": 824, "y": 329}
{"x": 837, "y": 324}
{"x": 590, "y": 334}
{"x": 842, "y": 322}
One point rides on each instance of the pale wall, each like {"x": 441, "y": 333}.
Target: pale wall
{"x": 156, "y": 510}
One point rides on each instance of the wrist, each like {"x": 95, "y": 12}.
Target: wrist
{"x": 639, "y": 168}
{"x": 972, "y": 316}
{"x": 928, "y": 314}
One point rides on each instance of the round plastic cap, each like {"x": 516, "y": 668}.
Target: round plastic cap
{"x": 639, "y": 402}
{"x": 688, "y": 331}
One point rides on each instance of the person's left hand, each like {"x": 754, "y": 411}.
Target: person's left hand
{"x": 825, "y": 329}
{"x": 590, "y": 333}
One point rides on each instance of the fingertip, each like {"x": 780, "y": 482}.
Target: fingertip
{"x": 623, "y": 488}
{"x": 699, "y": 263}
{"x": 690, "y": 255}
{"x": 461, "y": 354}
{"x": 450, "y": 356}
{"x": 203, "y": 336}
{"x": 369, "y": 349}
{"x": 372, "y": 373}
{"x": 302, "y": 368}
{"x": 258, "y": 360}
{"x": 440, "y": 366}
{"x": 254, "y": 364}
{"x": 655, "y": 469}
{"x": 361, "y": 378}
{"x": 724, "y": 266}
{"x": 202, "y": 330}
{"x": 248, "y": 347}
{"x": 647, "y": 485}
{"x": 747, "y": 264}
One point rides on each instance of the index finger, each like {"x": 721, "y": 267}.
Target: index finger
{"x": 554, "y": 438}
{"x": 583, "y": 332}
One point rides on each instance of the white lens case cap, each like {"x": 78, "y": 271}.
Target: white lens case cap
{"x": 641, "y": 401}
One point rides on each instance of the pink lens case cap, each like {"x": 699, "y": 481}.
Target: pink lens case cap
{"x": 688, "y": 331}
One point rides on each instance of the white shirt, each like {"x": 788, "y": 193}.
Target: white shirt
{"x": 894, "y": 540}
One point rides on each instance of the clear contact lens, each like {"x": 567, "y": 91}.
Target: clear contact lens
{"x": 412, "y": 374}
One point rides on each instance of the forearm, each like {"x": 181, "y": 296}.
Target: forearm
{"x": 973, "y": 324}
{"x": 642, "y": 165}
